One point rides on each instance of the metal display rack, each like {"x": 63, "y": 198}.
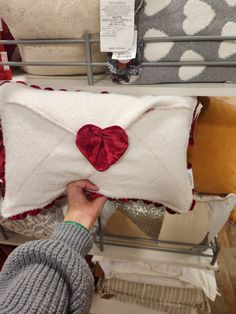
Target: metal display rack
{"x": 102, "y": 239}
{"x": 88, "y": 40}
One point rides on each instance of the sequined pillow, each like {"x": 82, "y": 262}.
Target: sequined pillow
{"x": 202, "y": 224}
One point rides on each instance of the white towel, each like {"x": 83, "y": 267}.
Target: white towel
{"x": 40, "y": 127}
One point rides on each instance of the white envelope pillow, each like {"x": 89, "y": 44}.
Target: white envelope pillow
{"x": 40, "y": 134}
{"x": 54, "y": 19}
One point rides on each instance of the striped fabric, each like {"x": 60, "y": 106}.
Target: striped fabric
{"x": 161, "y": 298}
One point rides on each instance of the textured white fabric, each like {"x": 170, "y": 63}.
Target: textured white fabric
{"x": 160, "y": 274}
{"x": 40, "y": 130}
{"x": 219, "y": 208}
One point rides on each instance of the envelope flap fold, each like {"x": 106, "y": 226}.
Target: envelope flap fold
{"x": 72, "y": 110}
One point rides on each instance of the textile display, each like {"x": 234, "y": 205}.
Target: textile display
{"x": 53, "y": 121}
{"x": 168, "y": 299}
{"x": 38, "y": 227}
{"x": 163, "y": 271}
{"x": 187, "y": 18}
{"x": 198, "y": 226}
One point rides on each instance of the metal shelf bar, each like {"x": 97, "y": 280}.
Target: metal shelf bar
{"x": 42, "y": 41}
{"x": 134, "y": 242}
{"x": 91, "y": 39}
{"x": 97, "y": 40}
{"x": 88, "y": 54}
{"x": 35, "y": 63}
{"x": 108, "y": 236}
{"x": 168, "y": 250}
{"x": 180, "y": 39}
{"x": 188, "y": 38}
{"x": 144, "y": 64}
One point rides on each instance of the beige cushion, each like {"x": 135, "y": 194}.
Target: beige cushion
{"x": 203, "y": 223}
{"x": 30, "y": 19}
{"x": 192, "y": 227}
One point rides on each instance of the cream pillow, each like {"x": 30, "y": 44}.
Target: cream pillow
{"x": 54, "y": 19}
{"x": 192, "y": 227}
{"x": 141, "y": 143}
{"x": 203, "y": 223}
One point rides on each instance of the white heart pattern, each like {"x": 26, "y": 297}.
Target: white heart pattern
{"x": 198, "y": 16}
{"x": 154, "y": 6}
{"x": 231, "y": 3}
{"x": 156, "y": 51}
{"x": 188, "y": 72}
{"x": 228, "y": 48}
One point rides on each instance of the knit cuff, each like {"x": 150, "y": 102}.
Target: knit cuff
{"x": 76, "y": 238}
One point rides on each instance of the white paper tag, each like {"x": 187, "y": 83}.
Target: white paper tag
{"x": 190, "y": 176}
{"x": 4, "y": 58}
{"x": 117, "y": 25}
{"x": 128, "y": 54}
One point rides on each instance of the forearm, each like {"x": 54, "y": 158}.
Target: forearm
{"x": 48, "y": 276}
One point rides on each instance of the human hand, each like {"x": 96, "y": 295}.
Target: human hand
{"x": 81, "y": 208}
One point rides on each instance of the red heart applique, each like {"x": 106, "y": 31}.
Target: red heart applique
{"x": 102, "y": 147}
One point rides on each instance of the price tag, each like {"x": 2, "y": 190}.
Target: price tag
{"x": 117, "y": 25}
{"x": 4, "y": 58}
{"x": 128, "y": 54}
{"x": 190, "y": 176}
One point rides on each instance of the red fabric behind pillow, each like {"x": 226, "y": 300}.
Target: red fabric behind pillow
{"x": 6, "y": 35}
{"x": 5, "y": 72}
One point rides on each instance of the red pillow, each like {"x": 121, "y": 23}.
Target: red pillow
{"x": 5, "y": 72}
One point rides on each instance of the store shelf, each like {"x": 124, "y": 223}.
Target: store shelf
{"x": 132, "y": 254}
{"x": 102, "y": 83}
{"x": 14, "y": 239}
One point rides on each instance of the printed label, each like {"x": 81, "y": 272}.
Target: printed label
{"x": 128, "y": 54}
{"x": 190, "y": 176}
{"x": 117, "y": 25}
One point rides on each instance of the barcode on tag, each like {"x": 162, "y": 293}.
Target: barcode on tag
{"x": 128, "y": 54}
{"x": 117, "y": 25}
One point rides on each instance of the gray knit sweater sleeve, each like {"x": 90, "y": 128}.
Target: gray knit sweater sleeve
{"x": 49, "y": 276}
